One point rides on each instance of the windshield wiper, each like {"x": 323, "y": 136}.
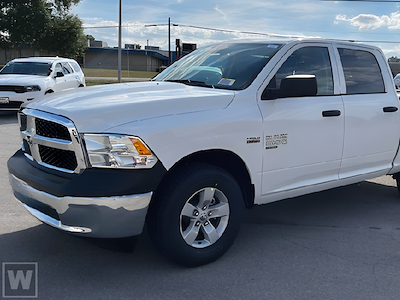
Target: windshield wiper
{"x": 192, "y": 82}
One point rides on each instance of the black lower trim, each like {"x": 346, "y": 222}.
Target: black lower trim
{"x": 11, "y": 104}
{"x": 44, "y": 208}
{"x": 91, "y": 183}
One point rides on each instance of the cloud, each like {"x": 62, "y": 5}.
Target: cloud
{"x": 157, "y": 35}
{"x": 220, "y": 11}
{"x": 371, "y": 22}
{"x": 91, "y": 19}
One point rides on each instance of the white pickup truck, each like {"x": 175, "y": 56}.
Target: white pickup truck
{"x": 225, "y": 128}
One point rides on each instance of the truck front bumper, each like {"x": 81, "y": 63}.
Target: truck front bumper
{"x": 101, "y": 217}
{"x": 97, "y": 203}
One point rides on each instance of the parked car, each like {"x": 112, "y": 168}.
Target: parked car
{"x": 27, "y": 79}
{"x": 226, "y": 127}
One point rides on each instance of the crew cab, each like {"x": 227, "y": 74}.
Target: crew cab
{"x": 28, "y": 79}
{"x": 227, "y": 127}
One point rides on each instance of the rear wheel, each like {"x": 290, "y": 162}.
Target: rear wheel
{"x": 197, "y": 215}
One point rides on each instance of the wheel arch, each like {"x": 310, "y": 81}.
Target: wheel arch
{"x": 223, "y": 159}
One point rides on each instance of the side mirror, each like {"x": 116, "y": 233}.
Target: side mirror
{"x": 59, "y": 74}
{"x": 299, "y": 86}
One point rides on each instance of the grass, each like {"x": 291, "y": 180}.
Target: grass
{"x": 90, "y": 82}
{"x": 114, "y": 73}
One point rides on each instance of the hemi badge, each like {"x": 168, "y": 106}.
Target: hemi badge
{"x": 252, "y": 140}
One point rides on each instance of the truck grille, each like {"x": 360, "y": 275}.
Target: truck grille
{"x": 23, "y": 120}
{"x": 52, "y": 130}
{"x": 51, "y": 140}
{"x": 60, "y": 158}
{"x": 12, "y": 88}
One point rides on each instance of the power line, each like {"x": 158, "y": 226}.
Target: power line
{"x": 283, "y": 36}
{"x": 377, "y": 1}
{"x": 107, "y": 26}
{"x": 231, "y": 31}
{"x": 272, "y": 35}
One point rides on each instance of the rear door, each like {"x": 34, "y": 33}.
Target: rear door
{"x": 371, "y": 112}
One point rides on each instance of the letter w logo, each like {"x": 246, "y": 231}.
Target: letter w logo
{"x": 20, "y": 278}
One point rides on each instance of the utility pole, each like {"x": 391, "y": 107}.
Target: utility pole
{"x": 169, "y": 42}
{"x": 169, "y": 38}
{"x": 119, "y": 42}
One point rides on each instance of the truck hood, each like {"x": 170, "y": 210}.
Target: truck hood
{"x": 16, "y": 79}
{"x": 99, "y": 108}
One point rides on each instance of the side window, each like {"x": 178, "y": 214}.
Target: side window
{"x": 361, "y": 72}
{"x": 76, "y": 67}
{"x": 67, "y": 68}
{"x": 302, "y": 67}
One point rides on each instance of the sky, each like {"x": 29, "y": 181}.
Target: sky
{"x": 376, "y": 23}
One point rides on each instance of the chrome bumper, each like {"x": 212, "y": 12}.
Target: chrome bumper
{"x": 101, "y": 217}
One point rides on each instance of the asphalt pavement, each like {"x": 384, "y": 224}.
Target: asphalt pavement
{"x": 338, "y": 244}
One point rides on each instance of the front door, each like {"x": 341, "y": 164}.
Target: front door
{"x": 303, "y": 133}
{"x": 60, "y": 82}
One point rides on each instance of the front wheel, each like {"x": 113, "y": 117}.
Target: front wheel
{"x": 196, "y": 216}
{"x": 397, "y": 178}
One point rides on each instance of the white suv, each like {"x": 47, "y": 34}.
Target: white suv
{"x": 27, "y": 79}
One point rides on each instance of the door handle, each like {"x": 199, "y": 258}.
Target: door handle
{"x": 390, "y": 109}
{"x": 331, "y": 113}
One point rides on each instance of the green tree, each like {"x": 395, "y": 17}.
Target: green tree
{"x": 90, "y": 37}
{"x": 22, "y": 22}
{"x": 44, "y": 24}
{"x": 64, "y": 36}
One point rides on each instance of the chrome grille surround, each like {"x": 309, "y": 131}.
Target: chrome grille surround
{"x": 56, "y": 144}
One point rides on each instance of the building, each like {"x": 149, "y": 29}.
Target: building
{"x": 98, "y": 44}
{"x": 7, "y": 55}
{"x": 100, "y": 56}
{"x": 131, "y": 59}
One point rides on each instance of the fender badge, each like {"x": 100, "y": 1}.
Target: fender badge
{"x": 253, "y": 140}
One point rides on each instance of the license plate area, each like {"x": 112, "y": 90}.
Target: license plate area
{"x": 4, "y": 100}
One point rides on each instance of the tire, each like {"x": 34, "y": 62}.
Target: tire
{"x": 197, "y": 215}
{"x": 397, "y": 178}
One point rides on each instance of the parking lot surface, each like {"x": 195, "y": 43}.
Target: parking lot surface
{"x": 338, "y": 244}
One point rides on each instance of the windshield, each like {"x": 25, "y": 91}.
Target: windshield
{"x": 27, "y": 68}
{"x": 227, "y": 66}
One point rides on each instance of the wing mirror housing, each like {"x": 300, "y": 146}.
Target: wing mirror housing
{"x": 59, "y": 74}
{"x": 292, "y": 86}
{"x": 299, "y": 86}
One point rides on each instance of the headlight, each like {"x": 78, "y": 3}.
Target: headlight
{"x": 118, "y": 151}
{"x": 28, "y": 88}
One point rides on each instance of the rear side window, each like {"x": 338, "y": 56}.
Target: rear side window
{"x": 75, "y": 66}
{"x": 67, "y": 68}
{"x": 361, "y": 72}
